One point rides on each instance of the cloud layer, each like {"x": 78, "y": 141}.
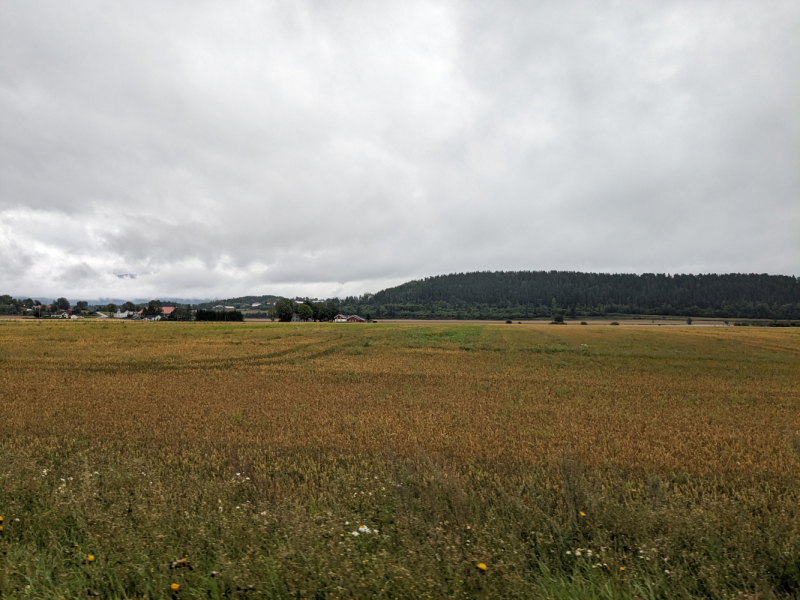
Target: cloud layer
{"x": 203, "y": 149}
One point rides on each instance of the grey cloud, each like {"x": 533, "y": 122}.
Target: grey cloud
{"x": 339, "y": 147}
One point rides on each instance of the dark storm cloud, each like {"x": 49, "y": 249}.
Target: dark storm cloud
{"x": 204, "y": 149}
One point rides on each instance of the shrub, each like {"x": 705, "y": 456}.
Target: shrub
{"x": 614, "y": 323}
{"x": 583, "y": 322}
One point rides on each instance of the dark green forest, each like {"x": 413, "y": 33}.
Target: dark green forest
{"x": 545, "y": 294}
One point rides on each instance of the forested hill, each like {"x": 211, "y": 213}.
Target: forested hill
{"x": 530, "y": 294}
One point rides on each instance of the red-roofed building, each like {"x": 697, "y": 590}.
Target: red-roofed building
{"x": 355, "y": 319}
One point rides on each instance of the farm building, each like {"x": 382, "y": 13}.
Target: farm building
{"x": 351, "y": 319}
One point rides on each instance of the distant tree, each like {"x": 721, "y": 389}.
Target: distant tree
{"x": 314, "y": 309}
{"x": 28, "y": 303}
{"x": 284, "y": 309}
{"x": 80, "y": 307}
{"x": 328, "y": 312}
{"x": 111, "y": 307}
{"x": 305, "y": 312}
{"x": 688, "y": 320}
{"x": 368, "y": 316}
{"x": 153, "y": 308}
{"x": 558, "y": 319}
{"x": 61, "y": 304}
{"x": 573, "y": 312}
{"x": 181, "y": 313}
{"x": 128, "y": 306}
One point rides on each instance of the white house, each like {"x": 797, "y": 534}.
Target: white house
{"x": 123, "y": 314}
{"x": 340, "y": 318}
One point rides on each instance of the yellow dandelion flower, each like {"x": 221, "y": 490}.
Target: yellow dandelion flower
{"x": 175, "y": 587}
{"x": 583, "y": 514}
{"x": 1, "y": 519}
{"x": 1, "y": 528}
{"x": 90, "y": 558}
{"x": 482, "y": 566}
{"x": 622, "y": 568}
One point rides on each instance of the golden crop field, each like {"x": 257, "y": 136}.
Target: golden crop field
{"x": 566, "y": 461}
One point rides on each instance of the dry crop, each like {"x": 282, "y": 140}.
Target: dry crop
{"x": 298, "y": 460}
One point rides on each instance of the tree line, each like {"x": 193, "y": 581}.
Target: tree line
{"x": 509, "y": 295}
{"x": 546, "y": 294}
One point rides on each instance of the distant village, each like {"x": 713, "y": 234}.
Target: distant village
{"x": 276, "y": 309}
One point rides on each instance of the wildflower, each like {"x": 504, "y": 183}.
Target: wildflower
{"x": 482, "y": 566}
{"x": 578, "y": 552}
{"x": 90, "y": 558}
{"x": 175, "y": 587}
{"x": 569, "y": 552}
{"x": 364, "y": 529}
{"x": 183, "y": 563}
{"x": 622, "y": 568}
{"x": 583, "y": 514}
{"x": 355, "y": 533}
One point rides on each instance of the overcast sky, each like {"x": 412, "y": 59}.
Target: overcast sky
{"x": 214, "y": 149}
